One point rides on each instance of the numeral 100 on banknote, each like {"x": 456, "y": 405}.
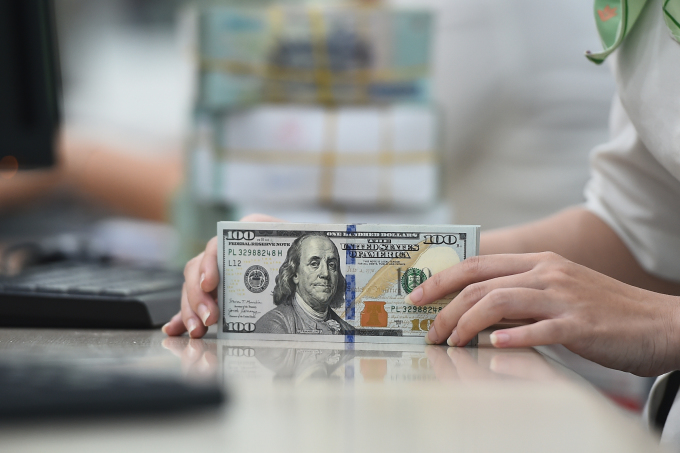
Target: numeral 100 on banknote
{"x": 333, "y": 282}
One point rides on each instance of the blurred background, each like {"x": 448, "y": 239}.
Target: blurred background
{"x": 179, "y": 114}
{"x": 402, "y": 111}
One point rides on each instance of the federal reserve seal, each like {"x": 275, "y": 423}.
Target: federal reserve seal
{"x": 412, "y": 278}
{"x": 256, "y": 279}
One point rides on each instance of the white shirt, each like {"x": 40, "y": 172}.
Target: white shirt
{"x": 635, "y": 177}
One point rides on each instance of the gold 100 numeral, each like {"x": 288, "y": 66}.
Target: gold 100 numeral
{"x": 421, "y": 325}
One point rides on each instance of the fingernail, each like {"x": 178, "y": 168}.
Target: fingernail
{"x": 200, "y": 283}
{"x": 164, "y": 328}
{"x": 203, "y": 312}
{"x": 453, "y": 339}
{"x": 431, "y": 337}
{"x": 191, "y": 325}
{"x": 415, "y": 296}
{"x": 499, "y": 338}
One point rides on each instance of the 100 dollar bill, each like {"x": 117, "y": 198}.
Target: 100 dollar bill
{"x": 331, "y": 282}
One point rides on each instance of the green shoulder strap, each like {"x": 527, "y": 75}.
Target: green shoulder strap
{"x": 614, "y": 19}
{"x": 671, "y": 14}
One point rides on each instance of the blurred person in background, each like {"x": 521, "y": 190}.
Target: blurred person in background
{"x": 130, "y": 185}
{"x": 126, "y": 94}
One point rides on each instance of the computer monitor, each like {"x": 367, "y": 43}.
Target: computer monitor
{"x": 29, "y": 83}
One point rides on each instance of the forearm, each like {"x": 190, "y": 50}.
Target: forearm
{"x": 580, "y": 236}
{"x": 24, "y": 187}
{"x": 137, "y": 186}
{"x": 133, "y": 185}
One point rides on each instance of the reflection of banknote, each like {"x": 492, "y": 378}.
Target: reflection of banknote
{"x": 333, "y": 282}
{"x": 325, "y": 54}
{"x": 316, "y": 360}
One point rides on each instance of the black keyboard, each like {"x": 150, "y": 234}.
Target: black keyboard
{"x": 92, "y": 295}
{"x": 40, "y": 390}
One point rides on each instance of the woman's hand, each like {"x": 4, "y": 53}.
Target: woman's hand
{"x": 199, "y": 293}
{"x": 600, "y": 318}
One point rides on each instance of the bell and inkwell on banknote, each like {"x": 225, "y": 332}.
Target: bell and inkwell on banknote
{"x": 333, "y": 282}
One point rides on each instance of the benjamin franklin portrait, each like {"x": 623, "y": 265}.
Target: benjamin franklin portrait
{"x": 309, "y": 285}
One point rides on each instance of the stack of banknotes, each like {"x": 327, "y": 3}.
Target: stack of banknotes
{"x": 333, "y": 282}
{"x": 324, "y": 53}
{"x": 312, "y": 155}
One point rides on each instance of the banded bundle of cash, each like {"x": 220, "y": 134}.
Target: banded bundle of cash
{"x": 339, "y": 283}
{"x": 323, "y": 53}
{"x": 306, "y": 156}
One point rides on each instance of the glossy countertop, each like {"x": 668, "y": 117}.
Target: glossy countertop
{"x": 299, "y": 396}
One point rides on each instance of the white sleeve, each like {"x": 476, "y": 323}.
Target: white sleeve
{"x": 636, "y": 196}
